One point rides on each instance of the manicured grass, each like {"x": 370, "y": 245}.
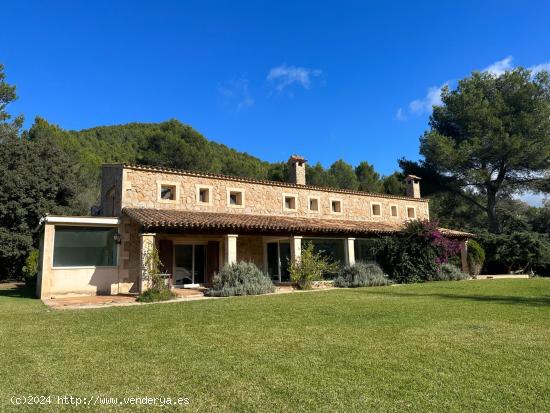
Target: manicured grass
{"x": 447, "y": 346}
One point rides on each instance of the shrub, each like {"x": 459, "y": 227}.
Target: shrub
{"x": 242, "y": 278}
{"x": 476, "y": 257}
{"x": 310, "y": 267}
{"x": 361, "y": 274}
{"x": 416, "y": 254}
{"x": 30, "y": 270}
{"x": 519, "y": 252}
{"x": 449, "y": 272}
{"x": 155, "y": 294}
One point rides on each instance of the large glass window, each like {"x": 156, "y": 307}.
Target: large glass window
{"x": 364, "y": 249}
{"x": 333, "y": 249}
{"x": 84, "y": 247}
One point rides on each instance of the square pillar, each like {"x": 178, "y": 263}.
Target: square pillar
{"x": 350, "y": 251}
{"x": 146, "y": 243}
{"x": 295, "y": 248}
{"x": 45, "y": 275}
{"x": 230, "y": 248}
{"x": 464, "y": 256}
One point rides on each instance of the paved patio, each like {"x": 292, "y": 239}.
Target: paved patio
{"x": 99, "y": 301}
{"x": 102, "y": 301}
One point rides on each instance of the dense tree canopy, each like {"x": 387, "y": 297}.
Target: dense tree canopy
{"x": 37, "y": 178}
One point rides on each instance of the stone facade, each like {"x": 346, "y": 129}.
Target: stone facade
{"x": 251, "y": 249}
{"x": 140, "y": 188}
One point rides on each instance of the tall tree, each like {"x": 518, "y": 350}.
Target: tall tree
{"x": 36, "y": 178}
{"x": 318, "y": 176}
{"x": 490, "y": 136}
{"x": 7, "y": 96}
{"x": 343, "y": 175}
{"x": 369, "y": 179}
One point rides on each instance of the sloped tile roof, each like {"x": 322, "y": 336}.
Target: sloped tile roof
{"x": 214, "y": 221}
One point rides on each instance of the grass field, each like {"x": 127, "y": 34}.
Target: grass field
{"x": 447, "y": 346}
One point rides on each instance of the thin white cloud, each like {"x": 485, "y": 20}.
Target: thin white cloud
{"x": 284, "y": 76}
{"x": 400, "y": 115}
{"x": 499, "y": 67}
{"x": 433, "y": 95}
{"x": 237, "y": 91}
{"x": 539, "y": 68}
{"x": 432, "y": 98}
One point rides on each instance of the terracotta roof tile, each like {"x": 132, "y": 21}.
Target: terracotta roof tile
{"x": 213, "y": 221}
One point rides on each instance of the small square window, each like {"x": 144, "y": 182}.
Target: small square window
{"x": 168, "y": 192}
{"x": 290, "y": 202}
{"x": 204, "y": 195}
{"x": 336, "y": 206}
{"x": 235, "y": 198}
{"x": 376, "y": 210}
{"x": 314, "y": 204}
{"x": 411, "y": 212}
{"x": 393, "y": 209}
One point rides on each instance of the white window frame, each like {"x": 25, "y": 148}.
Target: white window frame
{"x": 341, "y": 206}
{"x": 313, "y": 211}
{"x": 295, "y": 197}
{"x": 396, "y": 209}
{"x": 407, "y": 211}
{"x": 176, "y": 185}
{"x": 229, "y": 190}
{"x": 372, "y": 204}
{"x": 198, "y": 189}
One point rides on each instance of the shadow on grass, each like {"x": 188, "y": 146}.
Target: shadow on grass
{"x": 16, "y": 290}
{"x": 500, "y": 299}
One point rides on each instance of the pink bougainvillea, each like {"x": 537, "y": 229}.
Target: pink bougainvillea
{"x": 445, "y": 247}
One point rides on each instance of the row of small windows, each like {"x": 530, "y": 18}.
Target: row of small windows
{"x": 235, "y": 198}
{"x": 169, "y": 192}
{"x": 336, "y": 207}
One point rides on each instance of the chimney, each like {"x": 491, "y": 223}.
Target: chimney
{"x": 297, "y": 169}
{"x": 413, "y": 186}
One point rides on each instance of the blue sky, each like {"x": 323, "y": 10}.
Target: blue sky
{"x": 327, "y": 80}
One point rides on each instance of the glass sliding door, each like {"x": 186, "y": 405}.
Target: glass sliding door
{"x": 189, "y": 264}
{"x": 284, "y": 254}
{"x": 278, "y": 260}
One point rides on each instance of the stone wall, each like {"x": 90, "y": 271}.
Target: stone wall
{"x": 111, "y": 185}
{"x": 129, "y": 256}
{"x": 251, "y": 249}
{"x": 141, "y": 190}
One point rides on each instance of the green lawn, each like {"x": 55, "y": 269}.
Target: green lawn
{"x": 447, "y": 346}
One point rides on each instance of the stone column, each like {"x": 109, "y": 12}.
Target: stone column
{"x": 146, "y": 243}
{"x": 464, "y": 255}
{"x": 230, "y": 248}
{"x": 350, "y": 251}
{"x": 295, "y": 248}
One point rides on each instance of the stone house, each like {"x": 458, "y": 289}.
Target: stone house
{"x": 200, "y": 221}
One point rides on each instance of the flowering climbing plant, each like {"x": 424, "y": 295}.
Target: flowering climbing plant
{"x": 445, "y": 247}
{"x": 417, "y": 254}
